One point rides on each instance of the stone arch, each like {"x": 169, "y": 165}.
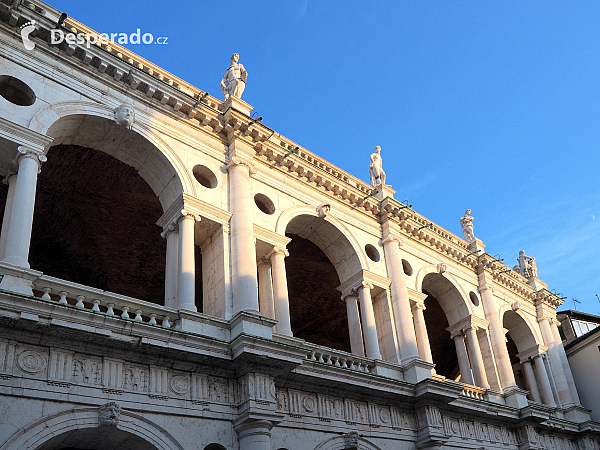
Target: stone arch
{"x": 447, "y": 290}
{"x": 157, "y": 163}
{"x": 37, "y": 433}
{"x": 342, "y": 442}
{"x": 344, "y": 252}
{"x": 519, "y": 328}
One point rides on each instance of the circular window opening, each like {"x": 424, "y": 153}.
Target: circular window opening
{"x": 407, "y": 267}
{"x": 264, "y": 203}
{"x": 474, "y": 298}
{"x": 205, "y": 176}
{"x": 15, "y": 91}
{"x": 372, "y": 253}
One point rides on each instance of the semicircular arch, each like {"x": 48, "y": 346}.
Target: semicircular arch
{"x": 289, "y": 214}
{"x": 447, "y": 290}
{"x": 46, "y": 428}
{"x": 341, "y": 443}
{"x": 351, "y": 247}
{"x": 162, "y": 168}
{"x": 520, "y": 328}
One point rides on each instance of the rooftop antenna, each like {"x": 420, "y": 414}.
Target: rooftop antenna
{"x": 575, "y": 301}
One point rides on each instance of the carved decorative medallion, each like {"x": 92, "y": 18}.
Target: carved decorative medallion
{"x": 31, "y": 362}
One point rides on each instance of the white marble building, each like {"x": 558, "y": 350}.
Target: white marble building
{"x": 175, "y": 283}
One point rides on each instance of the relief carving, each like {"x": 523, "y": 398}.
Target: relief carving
{"x": 108, "y": 414}
{"x": 86, "y": 371}
{"x": 31, "y": 361}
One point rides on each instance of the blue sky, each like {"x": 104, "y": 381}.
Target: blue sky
{"x": 489, "y": 105}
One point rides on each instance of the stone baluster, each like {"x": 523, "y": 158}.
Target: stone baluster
{"x": 476, "y": 358}
{"x": 463, "y": 358}
{"x": 171, "y": 234}
{"x": 186, "y": 276}
{"x": 18, "y": 236}
{"x": 265, "y": 288}
{"x": 80, "y": 299}
{"x": 10, "y": 180}
{"x": 355, "y": 330}
{"x": 243, "y": 265}
{"x": 63, "y": 298}
{"x": 543, "y": 381}
{"x": 405, "y": 331}
{"x": 417, "y": 308}
{"x": 280, "y": 291}
{"x": 531, "y": 381}
{"x": 368, "y": 321}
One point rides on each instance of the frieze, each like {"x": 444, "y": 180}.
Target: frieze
{"x": 31, "y": 361}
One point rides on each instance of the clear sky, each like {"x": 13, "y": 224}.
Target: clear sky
{"x": 489, "y": 105}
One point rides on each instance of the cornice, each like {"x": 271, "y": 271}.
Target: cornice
{"x": 270, "y": 237}
{"x": 24, "y": 136}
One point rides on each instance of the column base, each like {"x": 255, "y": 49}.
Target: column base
{"x": 417, "y": 370}
{"x": 17, "y": 279}
{"x": 515, "y": 397}
{"x": 578, "y": 414}
{"x": 251, "y": 323}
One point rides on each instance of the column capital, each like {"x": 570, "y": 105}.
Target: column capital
{"x": 485, "y": 287}
{"x": 532, "y": 353}
{"x": 11, "y": 173}
{"x": 170, "y": 228}
{"x": 417, "y": 305}
{"x": 391, "y": 238}
{"x": 239, "y": 161}
{"x": 264, "y": 261}
{"x": 185, "y": 214}
{"x": 25, "y": 152}
{"x": 364, "y": 284}
{"x": 350, "y": 294}
{"x": 278, "y": 250}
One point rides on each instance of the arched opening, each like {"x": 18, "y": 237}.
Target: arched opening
{"x": 519, "y": 339}
{"x": 320, "y": 259}
{"x": 214, "y": 447}
{"x": 94, "y": 224}
{"x": 444, "y": 307}
{"x": 98, "y": 199}
{"x": 101, "y": 438}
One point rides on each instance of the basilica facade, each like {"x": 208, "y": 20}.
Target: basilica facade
{"x": 177, "y": 275}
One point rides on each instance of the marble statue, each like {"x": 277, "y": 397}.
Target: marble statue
{"x": 467, "y": 226}
{"x": 527, "y": 265}
{"x": 125, "y": 115}
{"x": 376, "y": 168}
{"x": 234, "y": 80}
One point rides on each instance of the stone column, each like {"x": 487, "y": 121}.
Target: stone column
{"x": 243, "y": 250}
{"x": 421, "y": 331}
{"x": 497, "y": 338}
{"x": 11, "y": 181}
{"x": 265, "y": 289}
{"x": 21, "y": 213}
{"x": 254, "y": 434}
{"x": 463, "y": 359}
{"x": 476, "y": 359}
{"x": 565, "y": 362}
{"x": 171, "y": 234}
{"x": 531, "y": 382}
{"x": 368, "y": 321}
{"x": 356, "y": 337}
{"x": 186, "y": 275}
{"x": 280, "y": 291}
{"x": 400, "y": 301}
{"x": 543, "y": 381}
{"x": 560, "y": 380}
